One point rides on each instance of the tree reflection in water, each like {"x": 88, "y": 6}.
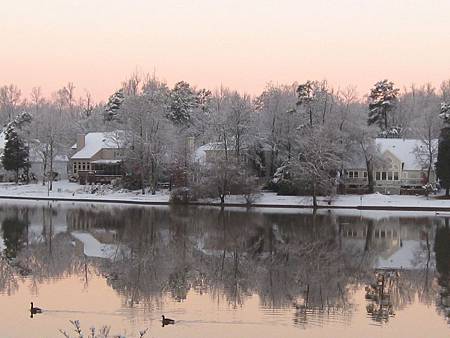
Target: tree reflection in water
{"x": 442, "y": 250}
{"x": 310, "y": 263}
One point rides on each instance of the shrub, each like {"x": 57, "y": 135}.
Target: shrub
{"x": 182, "y": 195}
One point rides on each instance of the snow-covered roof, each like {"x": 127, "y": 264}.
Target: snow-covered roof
{"x": 200, "y": 153}
{"x": 404, "y": 150}
{"x": 94, "y": 142}
{"x": 94, "y": 248}
{"x": 405, "y": 257}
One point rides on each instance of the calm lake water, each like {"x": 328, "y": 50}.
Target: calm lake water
{"x": 229, "y": 273}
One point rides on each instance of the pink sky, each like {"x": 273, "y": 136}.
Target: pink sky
{"x": 241, "y": 44}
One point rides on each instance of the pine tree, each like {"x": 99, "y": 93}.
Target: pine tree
{"x": 15, "y": 155}
{"x": 306, "y": 95}
{"x": 113, "y": 105}
{"x": 443, "y": 158}
{"x": 183, "y": 101}
{"x": 382, "y": 100}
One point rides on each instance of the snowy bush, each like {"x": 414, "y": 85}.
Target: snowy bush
{"x": 182, "y": 195}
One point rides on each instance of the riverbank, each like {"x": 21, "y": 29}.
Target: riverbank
{"x": 73, "y": 192}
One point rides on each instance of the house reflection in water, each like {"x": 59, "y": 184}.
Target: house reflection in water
{"x": 394, "y": 242}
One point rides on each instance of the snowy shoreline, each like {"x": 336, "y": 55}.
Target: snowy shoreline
{"x": 73, "y": 192}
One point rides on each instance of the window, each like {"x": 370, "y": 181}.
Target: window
{"x": 377, "y": 176}
{"x": 390, "y": 175}
{"x": 383, "y": 175}
{"x": 74, "y": 168}
{"x": 350, "y": 174}
{"x": 356, "y": 174}
{"x": 365, "y": 174}
{"x": 395, "y": 176}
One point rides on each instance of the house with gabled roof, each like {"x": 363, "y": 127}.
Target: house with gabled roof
{"x": 399, "y": 170}
{"x": 98, "y": 157}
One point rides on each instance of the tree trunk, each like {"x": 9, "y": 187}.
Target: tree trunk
{"x": 142, "y": 180}
{"x": 428, "y": 173}
{"x": 51, "y": 167}
{"x": 370, "y": 180}
{"x": 368, "y": 235}
{"x": 45, "y": 170}
{"x": 154, "y": 180}
{"x": 385, "y": 119}
{"x": 314, "y": 196}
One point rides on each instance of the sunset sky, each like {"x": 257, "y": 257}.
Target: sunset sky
{"x": 242, "y": 44}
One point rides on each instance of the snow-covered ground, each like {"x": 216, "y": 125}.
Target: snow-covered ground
{"x": 65, "y": 189}
{"x": 375, "y": 200}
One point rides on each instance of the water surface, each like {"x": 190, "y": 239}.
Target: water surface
{"x": 221, "y": 273}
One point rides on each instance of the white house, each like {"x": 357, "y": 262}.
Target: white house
{"x": 401, "y": 167}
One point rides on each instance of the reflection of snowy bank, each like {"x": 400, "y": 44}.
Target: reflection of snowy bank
{"x": 93, "y": 248}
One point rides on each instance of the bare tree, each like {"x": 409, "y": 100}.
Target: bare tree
{"x": 9, "y": 100}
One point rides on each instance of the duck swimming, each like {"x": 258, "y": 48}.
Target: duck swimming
{"x": 34, "y": 310}
{"x": 166, "y": 321}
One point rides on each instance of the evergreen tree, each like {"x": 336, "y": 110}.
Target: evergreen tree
{"x": 113, "y": 105}
{"x": 382, "y": 100}
{"x": 13, "y": 235}
{"x": 182, "y": 103}
{"x": 16, "y": 153}
{"x": 442, "y": 251}
{"x": 306, "y": 96}
{"x": 443, "y": 158}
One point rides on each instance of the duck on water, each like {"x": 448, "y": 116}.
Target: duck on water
{"x": 34, "y": 310}
{"x": 166, "y": 321}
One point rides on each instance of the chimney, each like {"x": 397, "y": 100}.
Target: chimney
{"x": 80, "y": 141}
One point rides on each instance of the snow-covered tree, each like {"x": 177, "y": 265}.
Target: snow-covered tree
{"x": 275, "y": 124}
{"x": 306, "y": 97}
{"x": 445, "y": 112}
{"x": 9, "y": 101}
{"x": 363, "y": 143}
{"x": 147, "y": 132}
{"x": 16, "y": 153}
{"x": 443, "y": 157}
{"x": 318, "y": 158}
{"x": 51, "y": 140}
{"x": 21, "y": 119}
{"x": 183, "y": 100}
{"x": 113, "y": 105}
{"x": 382, "y": 100}
{"x": 425, "y": 127}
